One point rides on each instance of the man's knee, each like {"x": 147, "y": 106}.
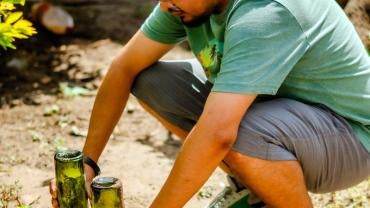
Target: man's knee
{"x": 277, "y": 183}
{"x": 147, "y": 81}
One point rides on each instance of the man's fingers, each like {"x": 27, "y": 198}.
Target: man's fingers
{"x": 88, "y": 189}
{"x": 53, "y": 189}
{"x": 89, "y": 175}
{"x": 54, "y": 203}
{"x": 53, "y": 193}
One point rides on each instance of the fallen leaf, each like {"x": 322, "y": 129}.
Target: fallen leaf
{"x": 70, "y": 90}
{"x": 77, "y": 132}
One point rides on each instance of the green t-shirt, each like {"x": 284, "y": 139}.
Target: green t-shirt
{"x": 306, "y": 50}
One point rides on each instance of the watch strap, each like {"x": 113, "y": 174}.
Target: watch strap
{"x": 90, "y": 162}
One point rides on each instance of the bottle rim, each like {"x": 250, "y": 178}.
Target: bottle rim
{"x": 106, "y": 182}
{"x": 68, "y": 155}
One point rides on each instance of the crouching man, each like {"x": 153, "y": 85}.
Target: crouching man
{"x": 279, "y": 96}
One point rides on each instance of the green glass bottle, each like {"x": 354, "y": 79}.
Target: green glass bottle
{"x": 70, "y": 179}
{"x": 106, "y": 193}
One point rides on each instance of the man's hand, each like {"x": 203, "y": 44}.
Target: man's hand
{"x": 89, "y": 176}
{"x": 53, "y": 193}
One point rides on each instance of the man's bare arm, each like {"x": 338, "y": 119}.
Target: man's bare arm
{"x": 139, "y": 53}
{"x": 204, "y": 148}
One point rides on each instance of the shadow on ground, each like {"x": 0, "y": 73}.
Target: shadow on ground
{"x": 169, "y": 148}
{"x": 46, "y": 62}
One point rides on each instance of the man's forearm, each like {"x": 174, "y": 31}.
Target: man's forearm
{"x": 109, "y": 104}
{"x": 139, "y": 53}
{"x": 205, "y": 147}
{"x": 199, "y": 157}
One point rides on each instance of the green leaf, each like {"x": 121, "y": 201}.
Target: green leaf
{"x": 13, "y": 17}
{"x": 25, "y": 27}
{"x": 21, "y": 2}
{"x": 4, "y": 28}
{"x": 24, "y": 206}
{"x": 6, "y": 41}
{"x": 3, "y": 43}
{"x": 70, "y": 90}
{"x": 18, "y": 35}
{"x": 6, "y": 6}
{"x": 22, "y": 24}
{"x": 12, "y": 25}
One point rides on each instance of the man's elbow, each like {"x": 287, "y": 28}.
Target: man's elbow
{"x": 223, "y": 138}
{"x": 124, "y": 63}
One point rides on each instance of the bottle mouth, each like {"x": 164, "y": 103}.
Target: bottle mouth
{"x": 68, "y": 155}
{"x": 106, "y": 183}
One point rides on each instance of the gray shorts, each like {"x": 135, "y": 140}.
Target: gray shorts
{"x": 331, "y": 156}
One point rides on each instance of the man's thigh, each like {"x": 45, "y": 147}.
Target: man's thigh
{"x": 324, "y": 144}
{"x": 175, "y": 90}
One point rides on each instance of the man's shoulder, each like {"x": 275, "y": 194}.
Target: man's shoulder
{"x": 256, "y": 10}
{"x": 260, "y": 15}
{"x": 307, "y": 13}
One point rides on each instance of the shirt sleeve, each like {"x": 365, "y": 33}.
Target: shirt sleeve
{"x": 162, "y": 27}
{"x": 262, "y": 44}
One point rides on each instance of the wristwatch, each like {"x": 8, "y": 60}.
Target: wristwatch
{"x": 90, "y": 162}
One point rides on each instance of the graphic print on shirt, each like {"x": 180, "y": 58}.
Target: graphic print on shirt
{"x": 210, "y": 58}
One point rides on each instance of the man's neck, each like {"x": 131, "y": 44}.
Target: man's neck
{"x": 222, "y": 6}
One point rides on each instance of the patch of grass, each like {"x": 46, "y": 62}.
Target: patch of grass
{"x": 10, "y": 194}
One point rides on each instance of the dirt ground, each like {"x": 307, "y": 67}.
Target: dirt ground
{"x": 40, "y": 111}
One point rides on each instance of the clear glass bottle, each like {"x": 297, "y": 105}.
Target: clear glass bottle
{"x": 106, "y": 193}
{"x": 70, "y": 179}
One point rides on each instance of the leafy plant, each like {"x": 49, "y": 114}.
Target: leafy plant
{"x": 11, "y": 193}
{"x": 12, "y": 24}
